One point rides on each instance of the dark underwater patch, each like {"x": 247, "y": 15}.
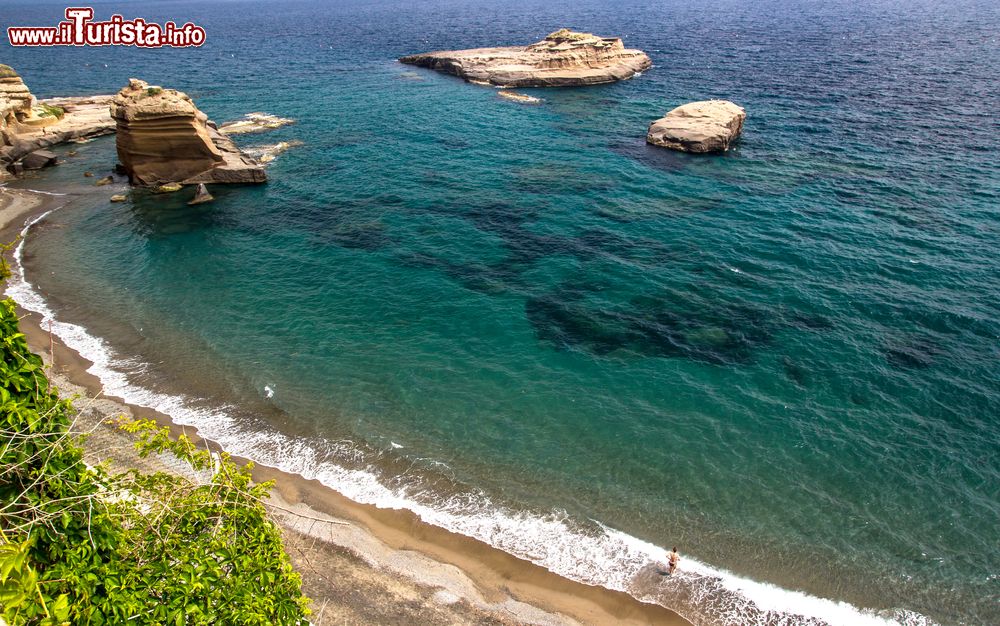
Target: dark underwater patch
{"x": 914, "y": 353}
{"x": 485, "y": 279}
{"x": 795, "y": 372}
{"x": 806, "y": 321}
{"x": 658, "y": 158}
{"x": 369, "y": 236}
{"x": 161, "y": 215}
{"x": 651, "y": 327}
{"x": 560, "y": 178}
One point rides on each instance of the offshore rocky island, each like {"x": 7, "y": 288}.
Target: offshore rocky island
{"x": 564, "y": 58}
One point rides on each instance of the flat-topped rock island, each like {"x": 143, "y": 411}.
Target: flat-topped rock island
{"x": 563, "y": 59}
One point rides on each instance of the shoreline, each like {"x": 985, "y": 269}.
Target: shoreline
{"x": 445, "y": 572}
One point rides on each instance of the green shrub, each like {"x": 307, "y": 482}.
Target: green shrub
{"x": 47, "y": 110}
{"x": 80, "y": 545}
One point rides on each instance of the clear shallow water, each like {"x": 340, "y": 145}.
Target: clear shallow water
{"x": 523, "y": 321}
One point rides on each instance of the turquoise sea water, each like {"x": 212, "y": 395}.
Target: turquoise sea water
{"x": 526, "y": 325}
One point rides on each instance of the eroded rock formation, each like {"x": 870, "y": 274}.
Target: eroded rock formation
{"x": 564, "y": 58}
{"x": 27, "y": 126}
{"x": 163, "y": 137}
{"x": 15, "y": 99}
{"x": 706, "y": 126}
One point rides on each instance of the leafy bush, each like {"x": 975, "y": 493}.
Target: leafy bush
{"x": 79, "y": 545}
{"x": 46, "y": 110}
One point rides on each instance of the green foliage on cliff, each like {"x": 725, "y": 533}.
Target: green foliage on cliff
{"x": 565, "y": 34}
{"x": 7, "y": 71}
{"x": 79, "y": 545}
{"x": 45, "y": 110}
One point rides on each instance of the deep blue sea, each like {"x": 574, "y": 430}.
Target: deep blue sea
{"x": 528, "y": 326}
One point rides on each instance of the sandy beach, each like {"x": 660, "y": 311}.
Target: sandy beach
{"x": 359, "y": 564}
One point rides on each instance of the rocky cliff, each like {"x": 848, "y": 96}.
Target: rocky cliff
{"x": 15, "y": 99}
{"x": 27, "y": 126}
{"x": 706, "y": 126}
{"x": 564, "y": 58}
{"x": 163, "y": 137}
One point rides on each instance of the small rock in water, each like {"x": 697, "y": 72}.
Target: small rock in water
{"x": 267, "y": 153}
{"x": 201, "y": 195}
{"x": 107, "y": 180}
{"x": 168, "y": 188}
{"x": 254, "y": 123}
{"x": 88, "y": 174}
{"x": 706, "y": 126}
{"x": 119, "y": 198}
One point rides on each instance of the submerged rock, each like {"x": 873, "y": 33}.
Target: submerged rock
{"x": 269, "y": 152}
{"x": 119, "y": 198}
{"x": 201, "y": 195}
{"x": 564, "y": 58}
{"x": 706, "y": 126}
{"x": 163, "y": 137}
{"x": 519, "y": 97}
{"x": 107, "y": 180}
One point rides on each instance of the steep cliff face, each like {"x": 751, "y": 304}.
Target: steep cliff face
{"x": 564, "y": 58}
{"x": 15, "y": 99}
{"x": 163, "y": 137}
{"x": 15, "y": 105}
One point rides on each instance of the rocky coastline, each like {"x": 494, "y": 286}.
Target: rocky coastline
{"x": 28, "y": 125}
{"x": 562, "y": 59}
{"x": 161, "y": 135}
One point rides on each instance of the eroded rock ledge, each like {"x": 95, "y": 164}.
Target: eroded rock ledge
{"x": 28, "y": 126}
{"x": 563, "y": 59}
{"x": 163, "y": 137}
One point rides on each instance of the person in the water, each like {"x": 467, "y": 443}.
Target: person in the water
{"x": 674, "y": 560}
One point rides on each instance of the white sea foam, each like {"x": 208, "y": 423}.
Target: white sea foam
{"x": 597, "y": 555}
{"x": 45, "y": 193}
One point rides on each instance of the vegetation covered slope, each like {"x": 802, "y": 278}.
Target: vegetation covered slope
{"x": 81, "y": 545}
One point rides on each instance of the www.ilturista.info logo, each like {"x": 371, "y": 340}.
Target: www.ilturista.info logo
{"x": 79, "y": 29}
